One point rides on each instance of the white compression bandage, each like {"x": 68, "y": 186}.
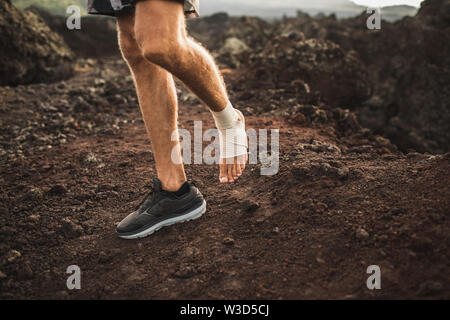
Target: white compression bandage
{"x": 232, "y": 135}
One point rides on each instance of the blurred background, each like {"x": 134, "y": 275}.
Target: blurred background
{"x": 393, "y": 9}
{"x": 398, "y": 67}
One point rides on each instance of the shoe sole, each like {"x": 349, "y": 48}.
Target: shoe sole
{"x": 194, "y": 214}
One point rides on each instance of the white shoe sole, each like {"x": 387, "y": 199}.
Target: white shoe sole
{"x": 195, "y": 214}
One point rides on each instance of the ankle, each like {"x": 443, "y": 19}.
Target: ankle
{"x": 225, "y": 118}
{"x": 172, "y": 184}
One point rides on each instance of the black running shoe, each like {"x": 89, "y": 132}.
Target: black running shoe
{"x": 162, "y": 208}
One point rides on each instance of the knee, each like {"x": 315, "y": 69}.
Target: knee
{"x": 165, "y": 50}
{"x": 130, "y": 49}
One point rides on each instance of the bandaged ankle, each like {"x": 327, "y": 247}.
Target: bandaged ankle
{"x": 226, "y": 118}
{"x": 233, "y": 141}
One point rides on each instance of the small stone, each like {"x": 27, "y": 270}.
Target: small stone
{"x": 70, "y": 229}
{"x": 33, "y": 218}
{"x": 189, "y": 252}
{"x": 320, "y": 260}
{"x": 228, "y": 241}
{"x": 91, "y": 158}
{"x": 139, "y": 260}
{"x": 13, "y": 255}
{"x": 343, "y": 173}
{"x": 249, "y": 206}
{"x": 234, "y": 45}
{"x": 2, "y": 275}
{"x": 395, "y": 212}
{"x": 362, "y": 234}
{"x": 184, "y": 272}
{"x": 412, "y": 253}
{"x": 33, "y": 194}
{"x": 57, "y": 190}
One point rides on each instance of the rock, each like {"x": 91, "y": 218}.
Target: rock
{"x": 190, "y": 252}
{"x": 418, "y": 96}
{"x": 228, "y": 241}
{"x": 70, "y": 229}
{"x": 139, "y": 260}
{"x": 2, "y": 275}
{"x": 13, "y": 255}
{"x": 34, "y": 218}
{"x": 31, "y": 52}
{"x": 231, "y": 49}
{"x": 339, "y": 76}
{"x": 343, "y": 173}
{"x": 185, "y": 272}
{"x": 320, "y": 260}
{"x": 320, "y": 169}
{"x": 249, "y": 206}
{"x": 98, "y": 37}
{"x": 91, "y": 158}
{"x": 361, "y": 233}
{"x": 57, "y": 190}
{"x": 33, "y": 194}
{"x": 233, "y": 46}
{"x": 318, "y": 146}
{"x": 7, "y": 231}
{"x": 395, "y": 211}
{"x": 213, "y": 31}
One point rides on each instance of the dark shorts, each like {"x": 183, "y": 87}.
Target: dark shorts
{"x": 111, "y": 7}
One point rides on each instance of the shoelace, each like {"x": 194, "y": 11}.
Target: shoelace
{"x": 149, "y": 195}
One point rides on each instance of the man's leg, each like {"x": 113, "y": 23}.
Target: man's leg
{"x": 173, "y": 199}
{"x": 161, "y": 35}
{"x": 158, "y": 102}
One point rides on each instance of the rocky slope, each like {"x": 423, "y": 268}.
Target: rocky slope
{"x": 397, "y": 78}
{"x": 97, "y": 37}
{"x": 408, "y": 63}
{"x": 30, "y": 51}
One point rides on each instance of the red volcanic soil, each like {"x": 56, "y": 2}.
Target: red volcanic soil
{"x": 342, "y": 200}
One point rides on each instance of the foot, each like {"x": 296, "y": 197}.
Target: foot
{"x": 162, "y": 208}
{"x": 233, "y": 141}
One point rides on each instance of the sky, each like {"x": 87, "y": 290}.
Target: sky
{"x": 276, "y": 8}
{"x": 384, "y": 3}
{"x": 309, "y": 3}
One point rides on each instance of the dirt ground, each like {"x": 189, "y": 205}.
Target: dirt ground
{"x": 340, "y": 203}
